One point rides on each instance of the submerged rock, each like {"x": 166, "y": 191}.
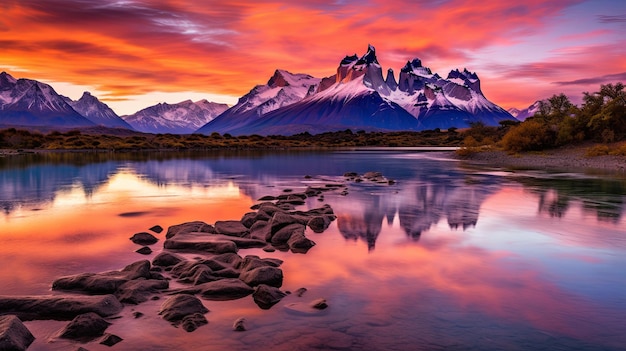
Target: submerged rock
{"x": 13, "y": 334}
{"x": 266, "y": 296}
{"x": 85, "y": 327}
{"x": 268, "y": 275}
{"x": 144, "y": 250}
{"x": 157, "y": 229}
{"x": 144, "y": 238}
{"x": 178, "y": 307}
{"x": 103, "y": 283}
{"x": 110, "y": 340}
{"x": 239, "y": 324}
{"x": 193, "y": 322}
{"x": 59, "y": 307}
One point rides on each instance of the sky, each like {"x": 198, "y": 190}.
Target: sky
{"x": 132, "y": 54}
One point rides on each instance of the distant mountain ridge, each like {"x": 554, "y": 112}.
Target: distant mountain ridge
{"x": 96, "y": 111}
{"x": 525, "y": 113}
{"x": 358, "y": 97}
{"x": 26, "y": 102}
{"x": 182, "y": 118}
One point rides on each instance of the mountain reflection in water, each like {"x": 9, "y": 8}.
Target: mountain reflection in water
{"x": 448, "y": 257}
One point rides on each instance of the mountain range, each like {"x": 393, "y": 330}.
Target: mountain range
{"x": 181, "y": 118}
{"x": 358, "y": 97}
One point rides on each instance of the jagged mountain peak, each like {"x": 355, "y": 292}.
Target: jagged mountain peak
{"x": 6, "y": 79}
{"x": 348, "y": 60}
{"x": 369, "y": 57}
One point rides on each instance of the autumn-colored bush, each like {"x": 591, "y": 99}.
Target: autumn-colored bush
{"x": 528, "y": 136}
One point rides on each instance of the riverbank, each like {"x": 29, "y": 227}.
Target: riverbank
{"x": 562, "y": 158}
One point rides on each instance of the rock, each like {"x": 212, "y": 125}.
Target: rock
{"x": 197, "y": 241}
{"x": 271, "y": 276}
{"x": 103, "y": 283}
{"x": 260, "y": 230}
{"x": 199, "y": 275}
{"x": 144, "y": 238}
{"x": 177, "y": 307}
{"x": 13, "y": 334}
{"x": 300, "y": 292}
{"x": 144, "y": 250}
{"x": 350, "y": 174}
{"x": 319, "y": 304}
{"x": 266, "y": 296}
{"x": 318, "y": 224}
{"x": 282, "y": 236}
{"x": 197, "y": 226}
{"x": 231, "y": 228}
{"x": 138, "y": 291}
{"x": 239, "y": 324}
{"x": 85, "y": 327}
{"x": 298, "y": 243}
{"x": 267, "y": 198}
{"x": 137, "y": 314}
{"x": 166, "y": 259}
{"x": 59, "y": 307}
{"x": 251, "y": 262}
{"x": 372, "y": 175}
{"x": 225, "y": 289}
{"x": 110, "y": 340}
{"x": 157, "y": 229}
{"x": 193, "y": 322}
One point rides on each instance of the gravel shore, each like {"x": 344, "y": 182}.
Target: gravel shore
{"x": 559, "y": 159}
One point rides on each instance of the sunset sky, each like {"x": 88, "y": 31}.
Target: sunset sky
{"x": 133, "y": 54}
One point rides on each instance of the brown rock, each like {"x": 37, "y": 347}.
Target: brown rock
{"x": 231, "y": 228}
{"x": 188, "y": 227}
{"x": 85, "y": 327}
{"x": 266, "y": 296}
{"x": 271, "y": 276}
{"x": 13, "y": 334}
{"x": 144, "y": 238}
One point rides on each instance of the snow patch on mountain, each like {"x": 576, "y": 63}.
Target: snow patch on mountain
{"x": 97, "y": 111}
{"x": 180, "y": 118}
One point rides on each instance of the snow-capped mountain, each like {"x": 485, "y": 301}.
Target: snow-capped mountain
{"x": 282, "y": 89}
{"x": 525, "y": 113}
{"x": 26, "y": 102}
{"x": 96, "y": 111}
{"x": 358, "y": 97}
{"x": 182, "y": 118}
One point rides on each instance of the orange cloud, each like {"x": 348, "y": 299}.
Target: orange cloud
{"x": 134, "y": 48}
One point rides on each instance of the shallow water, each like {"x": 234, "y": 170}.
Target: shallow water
{"x": 450, "y": 257}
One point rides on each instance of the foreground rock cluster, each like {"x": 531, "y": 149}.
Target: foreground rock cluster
{"x": 217, "y": 272}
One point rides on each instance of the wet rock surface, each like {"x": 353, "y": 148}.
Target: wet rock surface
{"x": 144, "y": 238}
{"x": 85, "y": 327}
{"x": 13, "y": 334}
{"x": 63, "y": 307}
{"x": 184, "y": 309}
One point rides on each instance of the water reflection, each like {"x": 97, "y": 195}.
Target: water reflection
{"x": 445, "y": 258}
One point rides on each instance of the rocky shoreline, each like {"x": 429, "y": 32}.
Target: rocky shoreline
{"x": 217, "y": 272}
{"x": 557, "y": 159}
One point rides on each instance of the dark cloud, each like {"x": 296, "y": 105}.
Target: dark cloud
{"x": 540, "y": 70}
{"x": 612, "y": 18}
{"x": 618, "y": 77}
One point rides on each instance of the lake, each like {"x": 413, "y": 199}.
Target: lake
{"x": 449, "y": 257}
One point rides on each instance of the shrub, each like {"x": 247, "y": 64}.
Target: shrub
{"x": 528, "y": 136}
{"x": 598, "y": 150}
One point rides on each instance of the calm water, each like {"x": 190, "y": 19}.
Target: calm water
{"x": 450, "y": 257}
